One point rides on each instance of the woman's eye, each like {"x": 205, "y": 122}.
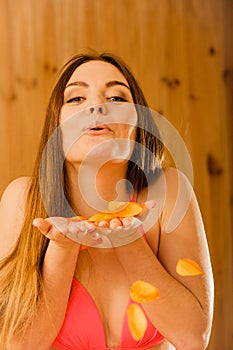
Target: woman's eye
{"x": 117, "y": 99}
{"x": 76, "y": 99}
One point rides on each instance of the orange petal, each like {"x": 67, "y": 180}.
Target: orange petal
{"x": 137, "y": 321}
{"x": 188, "y": 267}
{"x": 143, "y": 292}
{"x": 131, "y": 209}
{"x": 116, "y": 206}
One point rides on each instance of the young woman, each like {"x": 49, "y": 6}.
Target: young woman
{"x": 99, "y": 144}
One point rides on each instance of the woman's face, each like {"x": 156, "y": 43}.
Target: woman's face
{"x": 98, "y": 116}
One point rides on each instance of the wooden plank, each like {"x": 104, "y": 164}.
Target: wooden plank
{"x": 179, "y": 52}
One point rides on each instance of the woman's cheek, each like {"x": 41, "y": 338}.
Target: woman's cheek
{"x": 66, "y": 113}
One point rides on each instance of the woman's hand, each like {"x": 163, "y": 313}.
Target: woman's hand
{"x": 55, "y": 229}
{"x": 113, "y": 233}
{"x": 109, "y": 233}
{"x": 67, "y": 232}
{"x": 120, "y": 231}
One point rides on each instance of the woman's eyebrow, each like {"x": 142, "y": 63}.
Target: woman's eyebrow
{"x": 108, "y": 84}
{"x": 78, "y": 83}
{"x": 116, "y": 82}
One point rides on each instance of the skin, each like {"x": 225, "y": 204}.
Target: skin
{"x": 183, "y": 313}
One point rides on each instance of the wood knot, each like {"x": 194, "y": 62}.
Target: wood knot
{"x": 213, "y": 166}
{"x": 212, "y": 51}
{"x": 12, "y": 97}
{"x": 227, "y": 75}
{"x": 50, "y": 68}
{"x": 46, "y": 66}
{"x": 193, "y": 96}
{"x": 171, "y": 82}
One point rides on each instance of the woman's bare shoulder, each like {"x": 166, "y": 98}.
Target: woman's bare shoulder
{"x": 174, "y": 175}
{"x": 20, "y": 184}
{"x": 12, "y": 210}
{"x": 15, "y": 195}
{"x": 174, "y": 184}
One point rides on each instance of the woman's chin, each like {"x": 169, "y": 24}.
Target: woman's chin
{"x": 105, "y": 152}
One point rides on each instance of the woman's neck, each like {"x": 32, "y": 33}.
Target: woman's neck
{"x": 90, "y": 189}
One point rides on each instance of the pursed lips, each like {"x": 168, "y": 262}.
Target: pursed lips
{"x": 97, "y": 129}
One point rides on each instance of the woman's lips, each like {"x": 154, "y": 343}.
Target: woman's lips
{"x": 98, "y": 130}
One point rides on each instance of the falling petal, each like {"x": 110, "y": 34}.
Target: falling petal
{"x": 143, "y": 292}
{"x": 188, "y": 267}
{"x": 137, "y": 321}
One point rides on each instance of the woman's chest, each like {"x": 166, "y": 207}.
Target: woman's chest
{"x": 105, "y": 277}
{"x": 102, "y": 272}
{"x": 106, "y": 284}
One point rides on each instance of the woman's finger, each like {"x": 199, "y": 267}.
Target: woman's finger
{"x": 42, "y": 225}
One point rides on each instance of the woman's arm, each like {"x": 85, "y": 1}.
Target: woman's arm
{"x": 58, "y": 271}
{"x": 58, "y": 268}
{"x": 183, "y": 313}
{"x": 12, "y": 210}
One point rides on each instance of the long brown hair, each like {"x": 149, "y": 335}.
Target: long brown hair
{"x": 20, "y": 272}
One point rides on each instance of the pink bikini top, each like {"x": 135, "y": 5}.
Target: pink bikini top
{"x": 83, "y": 329}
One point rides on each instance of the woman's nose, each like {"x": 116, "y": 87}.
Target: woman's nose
{"x": 98, "y": 109}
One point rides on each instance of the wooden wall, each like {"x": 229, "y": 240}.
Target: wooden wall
{"x": 180, "y": 51}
